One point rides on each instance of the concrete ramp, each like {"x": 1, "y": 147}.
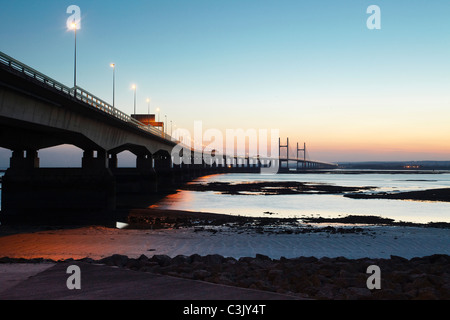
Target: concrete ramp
{"x": 99, "y": 282}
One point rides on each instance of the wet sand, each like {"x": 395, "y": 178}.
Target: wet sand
{"x": 310, "y": 259}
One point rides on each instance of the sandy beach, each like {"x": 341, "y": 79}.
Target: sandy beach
{"x": 275, "y": 241}
{"x": 313, "y": 261}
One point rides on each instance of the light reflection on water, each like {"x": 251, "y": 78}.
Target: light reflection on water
{"x": 319, "y": 204}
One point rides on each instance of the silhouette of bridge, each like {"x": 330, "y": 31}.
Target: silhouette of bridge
{"x": 37, "y": 112}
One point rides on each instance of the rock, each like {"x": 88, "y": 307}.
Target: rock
{"x": 134, "y": 264}
{"x": 426, "y": 294}
{"x": 246, "y": 260}
{"x": 149, "y": 267}
{"x": 326, "y": 292}
{"x": 213, "y": 259}
{"x": 115, "y": 260}
{"x": 424, "y": 278}
{"x": 180, "y": 259}
{"x": 7, "y": 260}
{"x": 119, "y": 260}
{"x": 397, "y": 259}
{"x": 143, "y": 258}
{"x": 195, "y": 258}
{"x": 388, "y": 294}
{"x": 201, "y": 274}
{"x": 439, "y": 258}
{"x": 274, "y": 273}
{"x": 230, "y": 261}
{"x": 263, "y": 257}
{"x": 162, "y": 260}
{"x": 306, "y": 260}
{"x": 355, "y": 293}
{"x": 87, "y": 260}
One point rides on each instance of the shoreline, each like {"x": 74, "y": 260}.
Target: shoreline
{"x": 317, "y": 259}
{"x": 174, "y": 232}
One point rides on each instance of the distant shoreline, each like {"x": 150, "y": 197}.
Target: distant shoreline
{"x": 438, "y": 195}
{"x": 369, "y": 171}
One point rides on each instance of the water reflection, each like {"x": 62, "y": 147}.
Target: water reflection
{"x": 319, "y": 204}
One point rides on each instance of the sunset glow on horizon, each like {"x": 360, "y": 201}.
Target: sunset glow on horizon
{"x": 313, "y": 70}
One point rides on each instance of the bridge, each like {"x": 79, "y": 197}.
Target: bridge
{"x": 37, "y": 112}
{"x": 287, "y": 164}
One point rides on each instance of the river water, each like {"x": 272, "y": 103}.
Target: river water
{"x": 323, "y": 205}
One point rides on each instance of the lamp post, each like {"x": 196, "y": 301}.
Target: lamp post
{"x": 158, "y": 124}
{"x": 74, "y": 27}
{"x": 134, "y": 88}
{"x": 113, "y": 65}
{"x": 148, "y": 104}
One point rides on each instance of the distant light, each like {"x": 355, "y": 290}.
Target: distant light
{"x": 133, "y": 87}
{"x": 112, "y": 65}
{"x": 74, "y": 26}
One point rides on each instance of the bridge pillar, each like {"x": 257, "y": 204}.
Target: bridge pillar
{"x": 113, "y": 161}
{"x": 164, "y": 170}
{"x": 47, "y": 195}
{"x": 19, "y": 161}
{"x": 196, "y": 164}
{"x": 134, "y": 186}
{"x": 91, "y": 161}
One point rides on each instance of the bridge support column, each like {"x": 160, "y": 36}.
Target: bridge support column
{"x": 134, "y": 185}
{"x": 60, "y": 195}
{"x": 144, "y": 165}
{"x": 113, "y": 161}
{"x": 164, "y": 171}
{"x": 91, "y": 161}
{"x": 19, "y": 161}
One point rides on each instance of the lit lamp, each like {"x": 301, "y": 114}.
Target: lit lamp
{"x": 113, "y": 65}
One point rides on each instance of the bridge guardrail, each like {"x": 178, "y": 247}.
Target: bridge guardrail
{"x": 79, "y": 94}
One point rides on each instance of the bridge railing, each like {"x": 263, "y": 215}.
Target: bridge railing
{"x": 32, "y": 73}
{"x": 79, "y": 94}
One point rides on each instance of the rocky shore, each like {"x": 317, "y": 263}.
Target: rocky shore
{"x": 426, "y": 278}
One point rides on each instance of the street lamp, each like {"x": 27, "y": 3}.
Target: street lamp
{"x": 148, "y": 103}
{"x": 113, "y": 65}
{"x": 75, "y": 27}
{"x": 134, "y": 88}
{"x": 157, "y": 110}
{"x": 165, "y": 124}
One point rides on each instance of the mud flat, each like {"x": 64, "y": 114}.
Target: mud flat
{"x": 442, "y": 195}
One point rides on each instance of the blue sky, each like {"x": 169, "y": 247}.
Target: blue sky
{"x": 309, "y": 68}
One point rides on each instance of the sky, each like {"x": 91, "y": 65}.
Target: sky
{"x": 312, "y": 69}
